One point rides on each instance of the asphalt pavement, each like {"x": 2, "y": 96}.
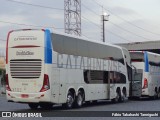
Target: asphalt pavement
{"x": 102, "y": 106}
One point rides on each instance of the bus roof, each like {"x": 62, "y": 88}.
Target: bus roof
{"x": 68, "y": 44}
{"x": 87, "y": 39}
{"x": 153, "y": 58}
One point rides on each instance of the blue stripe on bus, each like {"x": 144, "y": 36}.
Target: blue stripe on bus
{"x": 146, "y": 61}
{"x": 48, "y": 47}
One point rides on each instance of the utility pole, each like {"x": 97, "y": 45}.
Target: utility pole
{"x": 105, "y": 17}
{"x": 72, "y": 17}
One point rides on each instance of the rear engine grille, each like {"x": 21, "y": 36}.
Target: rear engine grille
{"x": 24, "y": 69}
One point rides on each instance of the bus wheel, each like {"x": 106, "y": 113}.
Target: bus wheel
{"x": 158, "y": 93}
{"x": 46, "y": 105}
{"x": 123, "y": 96}
{"x": 33, "y": 105}
{"x": 79, "y": 99}
{"x": 117, "y": 98}
{"x": 70, "y": 101}
{"x": 94, "y": 101}
{"x": 154, "y": 97}
{"x": 155, "y": 94}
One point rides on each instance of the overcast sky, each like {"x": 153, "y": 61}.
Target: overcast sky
{"x": 129, "y": 21}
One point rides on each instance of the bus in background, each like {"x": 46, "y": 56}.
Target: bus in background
{"x": 44, "y": 68}
{"x": 146, "y": 74}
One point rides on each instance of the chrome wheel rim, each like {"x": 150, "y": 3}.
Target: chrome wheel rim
{"x": 79, "y": 100}
{"x": 69, "y": 100}
{"x": 117, "y": 97}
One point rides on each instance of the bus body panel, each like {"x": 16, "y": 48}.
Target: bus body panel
{"x": 70, "y": 63}
{"x": 26, "y": 66}
{"x": 148, "y": 63}
{"x": 25, "y": 63}
{"x": 26, "y": 38}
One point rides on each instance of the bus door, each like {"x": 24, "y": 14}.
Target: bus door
{"x": 110, "y": 85}
{"x": 136, "y": 82}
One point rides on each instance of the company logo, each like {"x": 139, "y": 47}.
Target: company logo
{"x": 6, "y": 114}
{"x": 24, "y": 53}
{"x": 25, "y": 38}
{"x": 20, "y": 114}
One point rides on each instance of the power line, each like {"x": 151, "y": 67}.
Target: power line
{"x": 95, "y": 14}
{"x": 86, "y": 36}
{"x": 107, "y": 30}
{"x": 117, "y": 25}
{"x": 35, "y": 5}
{"x": 126, "y": 20}
{"x": 97, "y": 3}
{"x": 63, "y": 28}
{"x": 128, "y": 31}
{"x": 119, "y": 36}
{"x": 23, "y": 24}
{"x": 90, "y": 9}
{"x": 90, "y": 21}
{"x": 48, "y": 8}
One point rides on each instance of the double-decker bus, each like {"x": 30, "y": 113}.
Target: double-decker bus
{"x": 44, "y": 68}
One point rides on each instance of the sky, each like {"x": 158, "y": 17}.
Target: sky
{"x": 129, "y": 20}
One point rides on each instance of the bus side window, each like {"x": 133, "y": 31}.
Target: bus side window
{"x": 105, "y": 77}
{"x": 129, "y": 71}
{"x": 86, "y": 76}
{"x": 111, "y": 78}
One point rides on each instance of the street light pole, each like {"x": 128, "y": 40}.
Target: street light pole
{"x": 104, "y": 18}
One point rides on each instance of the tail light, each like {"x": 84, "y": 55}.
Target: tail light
{"x": 46, "y": 85}
{"x": 7, "y": 83}
{"x": 145, "y": 83}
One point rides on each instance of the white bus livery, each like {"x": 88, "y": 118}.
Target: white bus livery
{"x": 44, "y": 68}
{"x": 146, "y": 74}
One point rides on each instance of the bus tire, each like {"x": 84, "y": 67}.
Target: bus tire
{"x": 46, "y": 105}
{"x": 79, "y": 99}
{"x": 33, "y": 105}
{"x": 70, "y": 101}
{"x": 87, "y": 102}
{"x": 159, "y": 93}
{"x": 122, "y": 98}
{"x": 124, "y": 95}
{"x": 95, "y": 101}
{"x": 117, "y": 98}
{"x": 154, "y": 97}
{"x": 155, "y": 94}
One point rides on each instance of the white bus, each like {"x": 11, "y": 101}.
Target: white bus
{"x": 146, "y": 74}
{"x": 45, "y": 68}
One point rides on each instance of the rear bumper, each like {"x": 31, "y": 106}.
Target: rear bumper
{"x": 145, "y": 92}
{"x": 28, "y": 97}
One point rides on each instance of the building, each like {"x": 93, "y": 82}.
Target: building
{"x": 152, "y": 46}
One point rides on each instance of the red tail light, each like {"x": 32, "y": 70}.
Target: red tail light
{"x": 7, "y": 83}
{"x": 46, "y": 85}
{"x": 145, "y": 83}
